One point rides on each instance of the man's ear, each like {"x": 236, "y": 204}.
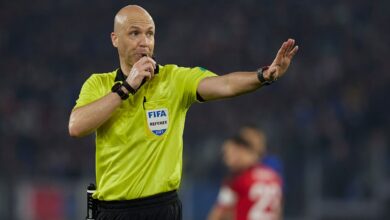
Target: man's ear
{"x": 114, "y": 39}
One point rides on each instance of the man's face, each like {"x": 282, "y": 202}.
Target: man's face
{"x": 134, "y": 38}
{"x": 236, "y": 157}
{"x": 256, "y": 138}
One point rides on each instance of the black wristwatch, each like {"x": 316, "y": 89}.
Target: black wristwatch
{"x": 117, "y": 88}
{"x": 260, "y": 76}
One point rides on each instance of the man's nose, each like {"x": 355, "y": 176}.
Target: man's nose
{"x": 144, "y": 41}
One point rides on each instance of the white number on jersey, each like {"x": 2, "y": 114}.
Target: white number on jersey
{"x": 266, "y": 199}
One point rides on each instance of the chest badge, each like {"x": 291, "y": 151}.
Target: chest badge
{"x": 157, "y": 120}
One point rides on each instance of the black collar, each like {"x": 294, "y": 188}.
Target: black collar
{"x": 119, "y": 75}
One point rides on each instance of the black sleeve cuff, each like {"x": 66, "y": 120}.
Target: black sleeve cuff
{"x": 199, "y": 98}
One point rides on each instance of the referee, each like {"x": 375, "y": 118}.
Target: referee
{"x": 138, "y": 111}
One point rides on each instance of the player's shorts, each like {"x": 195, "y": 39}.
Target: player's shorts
{"x": 164, "y": 206}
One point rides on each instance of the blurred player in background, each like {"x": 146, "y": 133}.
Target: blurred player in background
{"x": 252, "y": 191}
{"x": 258, "y": 139}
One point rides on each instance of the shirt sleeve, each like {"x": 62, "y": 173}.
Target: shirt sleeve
{"x": 190, "y": 79}
{"x": 90, "y": 91}
{"x": 226, "y": 197}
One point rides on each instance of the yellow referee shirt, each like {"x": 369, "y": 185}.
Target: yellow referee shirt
{"x": 139, "y": 149}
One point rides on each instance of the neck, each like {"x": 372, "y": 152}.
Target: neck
{"x": 239, "y": 170}
{"x": 248, "y": 165}
{"x": 125, "y": 68}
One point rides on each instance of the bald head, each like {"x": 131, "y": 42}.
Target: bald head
{"x": 133, "y": 35}
{"x": 131, "y": 14}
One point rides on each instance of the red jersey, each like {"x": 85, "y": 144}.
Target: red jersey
{"x": 254, "y": 194}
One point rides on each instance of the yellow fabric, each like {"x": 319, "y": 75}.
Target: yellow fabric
{"x": 132, "y": 161}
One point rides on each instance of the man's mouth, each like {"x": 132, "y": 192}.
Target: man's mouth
{"x": 138, "y": 56}
{"x": 142, "y": 53}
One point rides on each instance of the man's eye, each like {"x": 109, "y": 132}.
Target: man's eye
{"x": 150, "y": 34}
{"x": 134, "y": 33}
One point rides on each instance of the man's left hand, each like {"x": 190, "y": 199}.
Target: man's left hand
{"x": 282, "y": 60}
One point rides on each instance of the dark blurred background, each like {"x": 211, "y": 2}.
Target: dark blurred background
{"x": 327, "y": 119}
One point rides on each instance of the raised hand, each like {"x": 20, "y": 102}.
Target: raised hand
{"x": 282, "y": 60}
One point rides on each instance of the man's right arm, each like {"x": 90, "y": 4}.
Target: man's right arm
{"x": 223, "y": 209}
{"x": 220, "y": 213}
{"x": 86, "y": 119}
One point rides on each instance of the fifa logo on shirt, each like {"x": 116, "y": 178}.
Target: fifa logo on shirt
{"x": 157, "y": 120}
{"x": 156, "y": 114}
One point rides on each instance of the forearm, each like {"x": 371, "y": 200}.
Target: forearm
{"x": 229, "y": 85}
{"x": 88, "y": 118}
{"x": 219, "y": 213}
{"x": 239, "y": 83}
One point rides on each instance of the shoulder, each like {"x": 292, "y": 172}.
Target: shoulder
{"x": 103, "y": 76}
{"x": 263, "y": 172}
{"x": 173, "y": 68}
{"x": 169, "y": 67}
{"x": 100, "y": 79}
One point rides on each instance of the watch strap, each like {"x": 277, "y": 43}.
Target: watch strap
{"x": 117, "y": 88}
{"x": 260, "y": 76}
{"x": 129, "y": 88}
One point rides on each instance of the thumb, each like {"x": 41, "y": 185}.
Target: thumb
{"x": 271, "y": 73}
